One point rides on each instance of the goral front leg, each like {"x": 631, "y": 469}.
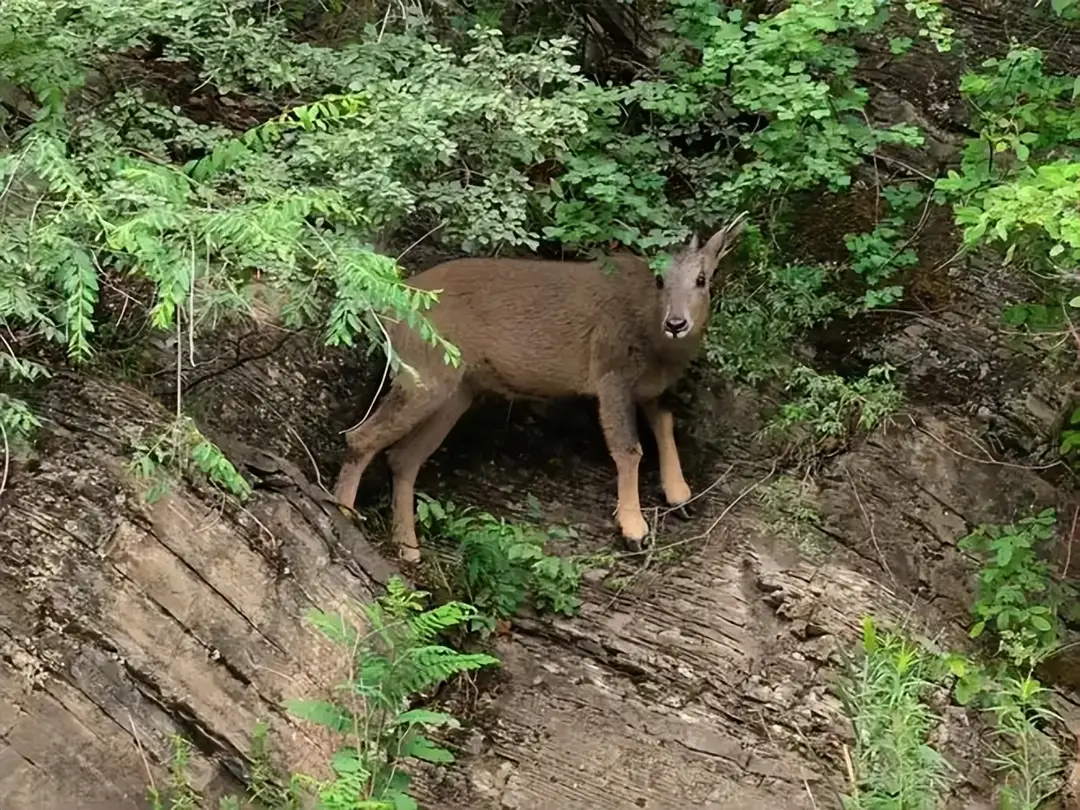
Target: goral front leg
{"x": 620, "y": 432}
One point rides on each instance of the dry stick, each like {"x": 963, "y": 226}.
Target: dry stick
{"x": 706, "y": 535}
{"x": 386, "y": 335}
{"x": 142, "y": 753}
{"x": 870, "y": 528}
{"x": 1068, "y": 552}
{"x": 421, "y": 239}
{"x": 806, "y": 784}
{"x": 991, "y": 460}
{"x": 7, "y": 459}
{"x": 909, "y": 167}
{"x": 382, "y": 382}
{"x": 311, "y": 458}
{"x": 713, "y": 485}
{"x": 850, "y": 770}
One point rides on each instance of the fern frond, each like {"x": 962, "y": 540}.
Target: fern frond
{"x": 434, "y": 664}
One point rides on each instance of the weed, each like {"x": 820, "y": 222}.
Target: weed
{"x": 179, "y": 795}
{"x": 1029, "y": 758}
{"x": 830, "y": 406}
{"x": 502, "y": 562}
{"x": 1017, "y": 183}
{"x": 1016, "y": 597}
{"x": 263, "y": 779}
{"x": 792, "y": 514}
{"x": 1070, "y": 438}
{"x": 395, "y": 658}
{"x": 182, "y": 448}
{"x": 894, "y": 764}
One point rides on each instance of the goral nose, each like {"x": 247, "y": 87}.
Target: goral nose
{"x": 676, "y": 326}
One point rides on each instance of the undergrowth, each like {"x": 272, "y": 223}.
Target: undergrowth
{"x": 893, "y": 765}
{"x": 1019, "y": 603}
{"x": 502, "y": 563}
{"x": 1017, "y": 600}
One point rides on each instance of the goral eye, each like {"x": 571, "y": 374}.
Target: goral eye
{"x": 701, "y": 280}
{"x": 659, "y": 282}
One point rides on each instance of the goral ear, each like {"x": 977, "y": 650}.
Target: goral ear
{"x": 723, "y": 241}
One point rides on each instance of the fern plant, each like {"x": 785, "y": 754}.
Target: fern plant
{"x": 181, "y": 448}
{"x": 396, "y": 658}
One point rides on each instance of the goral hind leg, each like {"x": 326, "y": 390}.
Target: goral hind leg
{"x": 676, "y": 490}
{"x": 405, "y": 459}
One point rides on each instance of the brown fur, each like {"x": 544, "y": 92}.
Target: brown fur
{"x": 536, "y": 328}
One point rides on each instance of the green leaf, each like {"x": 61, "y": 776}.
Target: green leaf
{"x": 322, "y": 713}
{"x": 977, "y": 629}
{"x": 966, "y": 690}
{"x": 424, "y": 717}
{"x": 869, "y": 633}
{"x": 421, "y": 747}
{"x": 1041, "y": 624}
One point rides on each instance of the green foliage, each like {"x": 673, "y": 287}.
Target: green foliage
{"x": 877, "y": 255}
{"x": 395, "y": 658}
{"x": 764, "y": 309}
{"x": 503, "y": 563}
{"x": 885, "y": 693}
{"x": 793, "y": 514}
{"x": 1029, "y": 758}
{"x": 1018, "y": 181}
{"x": 129, "y": 192}
{"x": 831, "y": 407}
{"x": 1023, "y": 751}
{"x": 1070, "y": 438}
{"x": 181, "y": 448}
{"x": 179, "y": 795}
{"x": 263, "y": 780}
{"x": 742, "y": 106}
{"x": 1016, "y": 598}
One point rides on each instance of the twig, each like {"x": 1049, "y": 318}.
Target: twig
{"x": 421, "y": 239}
{"x": 1068, "y": 552}
{"x": 850, "y": 769}
{"x": 708, "y": 532}
{"x": 991, "y": 460}
{"x": 653, "y": 549}
{"x": 179, "y": 362}
{"x": 142, "y": 753}
{"x": 903, "y": 165}
{"x": 7, "y": 459}
{"x": 870, "y": 528}
{"x": 693, "y": 498}
{"x": 311, "y": 458}
{"x": 382, "y": 382}
{"x": 813, "y": 802}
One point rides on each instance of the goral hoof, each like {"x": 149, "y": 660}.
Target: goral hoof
{"x": 683, "y": 511}
{"x": 410, "y": 554}
{"x": 637, "y": 544}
